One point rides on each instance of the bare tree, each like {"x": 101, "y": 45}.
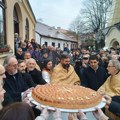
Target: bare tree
{"x": 78, "y": 25}
{"x": 94, "y": 16}
{"x": 95, "y": 12}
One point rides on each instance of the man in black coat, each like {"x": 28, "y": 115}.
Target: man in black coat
{"x": 35, "y": 74}
{"x": 14, "y": 85}
{"x": 26, "y": 76}
{"x": 93, "y": 76}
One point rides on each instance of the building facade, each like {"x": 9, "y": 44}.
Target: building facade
{"x": 51, "y": 36}
{"x": 16, "y": 16}
{"x": 112, "y": 32}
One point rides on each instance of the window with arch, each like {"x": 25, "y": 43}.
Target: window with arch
{"x": 27, "y": 29}
{"x": 15, "y": 15}
{"x": 16, "y": 21}
{"x": 3, "y": 42}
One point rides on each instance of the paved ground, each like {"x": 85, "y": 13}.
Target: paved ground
{"x": 90, "y": 116}
{"x": 65, "y": 116}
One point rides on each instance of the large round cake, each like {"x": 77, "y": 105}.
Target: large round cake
{"x": 66, "y": 96}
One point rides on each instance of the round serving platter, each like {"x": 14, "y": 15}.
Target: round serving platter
{"x": 100, "y": 105}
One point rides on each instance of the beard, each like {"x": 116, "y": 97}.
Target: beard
{"x": 22, "y": 71}
{"x": 13, "y": 72}
{"x": 31, "y": 69}
{"x": 66, "y": 66}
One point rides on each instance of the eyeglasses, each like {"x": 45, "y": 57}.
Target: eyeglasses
{"x": 15, "y": 65}
{"x": 85, "y": 58}
{"x": 110, "y": 66}
{"x": 93, "y": 62}
{"x": 31, "y": 63}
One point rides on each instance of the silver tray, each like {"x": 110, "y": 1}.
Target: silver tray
{"x": 100, "y": 105}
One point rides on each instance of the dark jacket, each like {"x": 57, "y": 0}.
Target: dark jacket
{"x": 115, "y": 105}
{"x": 36, "y": 55}
{"x": 14, "y": 85}
{"x": 28, "y": 80}
{"x": 94, "y": 79}
{"x": 37, "y": 77}
{"x": 19, "y": 57}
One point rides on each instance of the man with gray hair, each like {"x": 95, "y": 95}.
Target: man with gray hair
{"x": 14, "y": 83}
{"x": 112, "y": 85}
{"x": 35, "y": 74}
{"x": 16, "y": 89}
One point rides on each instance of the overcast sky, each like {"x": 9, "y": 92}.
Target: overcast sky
{"x": 58, "y": 13}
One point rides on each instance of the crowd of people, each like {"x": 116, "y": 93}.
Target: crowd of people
{"x": 34, "y": 65}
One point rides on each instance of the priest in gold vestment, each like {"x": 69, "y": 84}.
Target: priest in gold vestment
{"x": 112, "y": 85}
{"x": 64, "y": 73}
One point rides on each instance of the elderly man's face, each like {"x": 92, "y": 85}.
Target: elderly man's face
{"x": 111, "y": 69}
{"x": 31, "y": 65}
{"x": 12, "y": 66}
{"x": 65, "y": 63}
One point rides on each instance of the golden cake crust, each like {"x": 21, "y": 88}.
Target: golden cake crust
{"x": 66, "y": 96}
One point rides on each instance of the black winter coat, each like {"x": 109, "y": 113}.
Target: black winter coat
{"x": 37, "y": 77}
{"x": 115, "y": 105}
{"x": 14, "y": 85}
